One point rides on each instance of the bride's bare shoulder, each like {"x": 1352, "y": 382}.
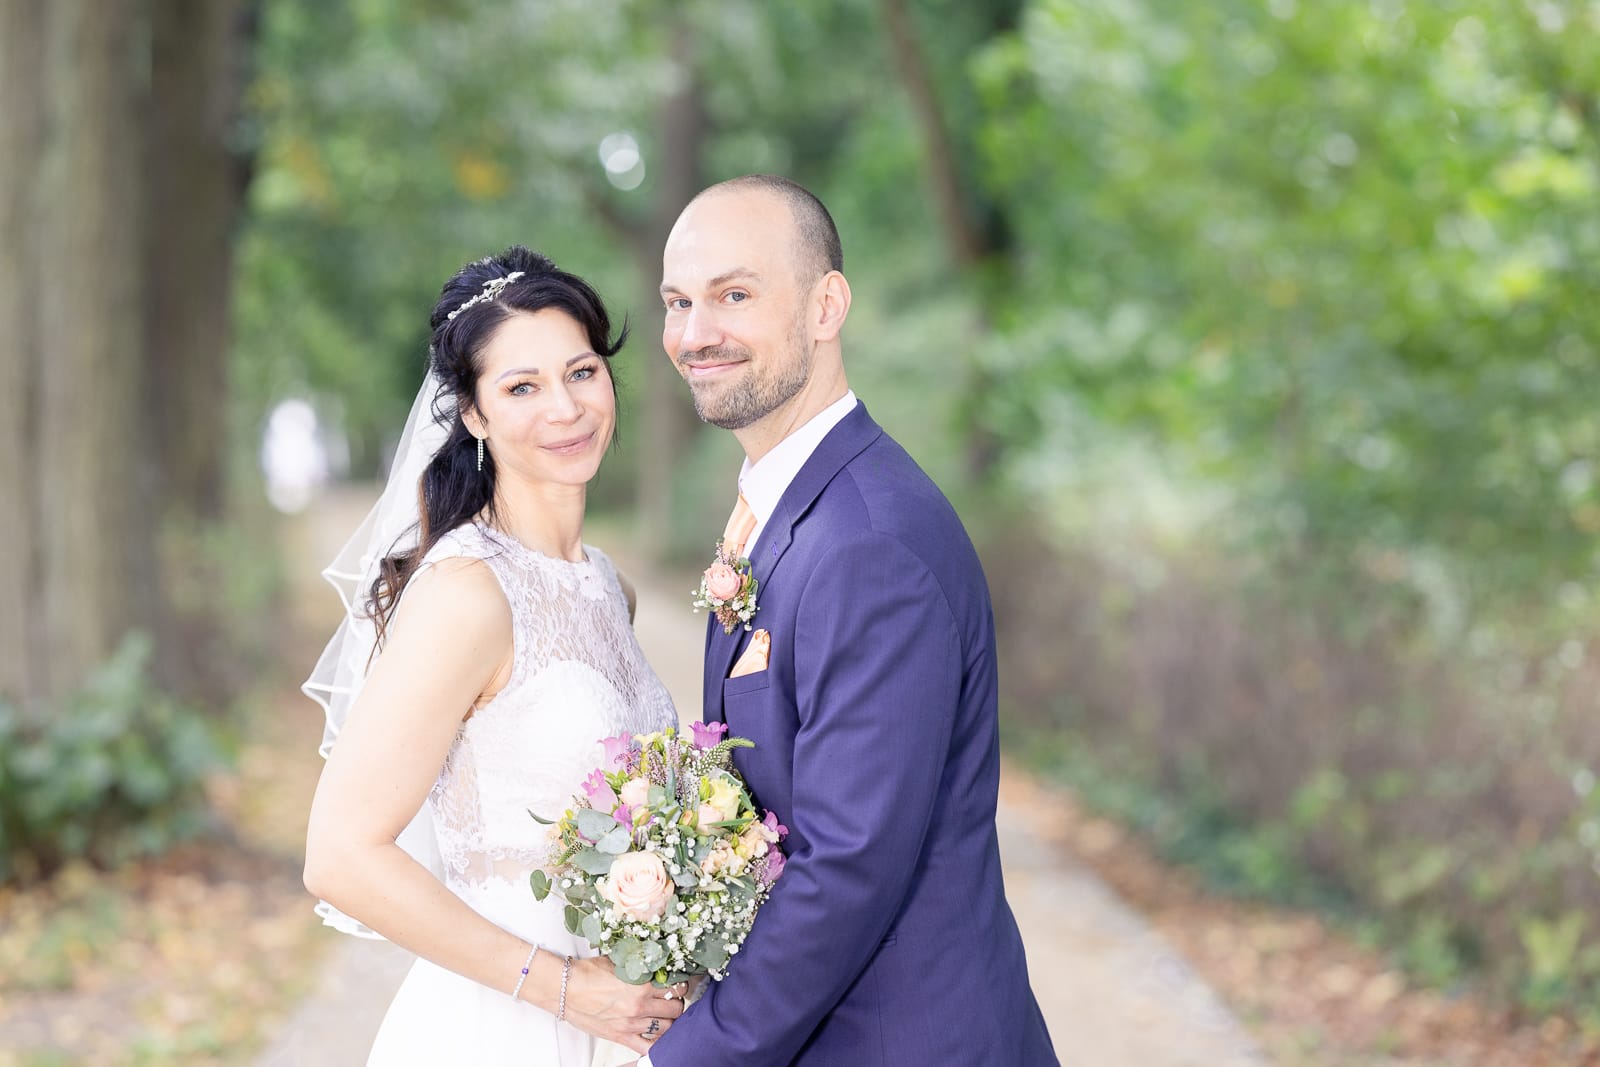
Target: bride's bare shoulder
{"x": 459, "y": 595}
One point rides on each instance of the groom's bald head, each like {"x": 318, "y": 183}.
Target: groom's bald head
{"x": 815, "y": 238}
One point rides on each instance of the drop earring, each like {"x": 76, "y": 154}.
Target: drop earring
{"x": 480, "y": 453}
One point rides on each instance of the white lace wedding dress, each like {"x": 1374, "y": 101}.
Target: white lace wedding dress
{"x": 578, "y": 676}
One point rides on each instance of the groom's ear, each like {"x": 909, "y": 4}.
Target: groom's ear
{"x": 831, "y": 305}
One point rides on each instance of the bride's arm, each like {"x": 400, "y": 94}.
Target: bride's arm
{"x": 450, "y": 644}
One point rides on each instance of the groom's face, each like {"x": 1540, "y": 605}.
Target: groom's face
{"x": 735, "y": 325}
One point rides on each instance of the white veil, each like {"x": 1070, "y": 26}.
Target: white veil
{"x": 391, "y": 525}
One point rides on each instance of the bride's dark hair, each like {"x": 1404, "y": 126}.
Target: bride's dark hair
{"x": 452, "y": 489}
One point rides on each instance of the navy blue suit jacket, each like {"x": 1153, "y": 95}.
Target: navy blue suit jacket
{"x": 888, "y": 940}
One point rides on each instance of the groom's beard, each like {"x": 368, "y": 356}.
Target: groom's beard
{"x": 735, "y": 405}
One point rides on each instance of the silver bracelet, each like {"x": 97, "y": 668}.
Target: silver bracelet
{"x": 524, "y": 976}
{"x": 566, "y": 972}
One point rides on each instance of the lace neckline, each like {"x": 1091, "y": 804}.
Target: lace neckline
{"x": 517, "y": 548}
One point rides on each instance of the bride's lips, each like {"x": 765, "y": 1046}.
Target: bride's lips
{"x": 571, "y": 446}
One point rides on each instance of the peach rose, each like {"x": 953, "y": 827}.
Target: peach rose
{"x": 752, "y": 844}
{"x": 723, "y": 582}
{"x": 638, "y": 885}
{"x": 706, "y": 816}
{"x": 719, "y": 860}
{"x": 635, "y": 792}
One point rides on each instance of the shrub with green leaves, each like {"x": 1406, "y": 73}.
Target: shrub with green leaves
{"x": 116, "y": 772}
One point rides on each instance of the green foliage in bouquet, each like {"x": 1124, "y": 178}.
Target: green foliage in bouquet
{"x": 663, "y": 864}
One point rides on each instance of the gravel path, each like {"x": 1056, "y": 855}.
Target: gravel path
{"x": 1113, "y": 993}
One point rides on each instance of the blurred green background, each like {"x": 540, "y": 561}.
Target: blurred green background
{"x": 1257, "y": 341}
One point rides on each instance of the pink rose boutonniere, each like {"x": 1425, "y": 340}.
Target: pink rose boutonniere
{"x": 728, "y": 590}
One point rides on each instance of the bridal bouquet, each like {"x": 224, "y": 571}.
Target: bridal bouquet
{"x": 664, "y": 861}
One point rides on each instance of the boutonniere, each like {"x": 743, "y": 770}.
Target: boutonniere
{"x": 728, "y": 590}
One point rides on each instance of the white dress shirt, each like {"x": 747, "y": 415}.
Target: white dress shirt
{"x": 763, "y": 484}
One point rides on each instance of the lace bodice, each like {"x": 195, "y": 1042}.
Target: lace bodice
{"x": 578, "y": 675}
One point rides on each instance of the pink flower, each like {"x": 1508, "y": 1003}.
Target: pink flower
{"x": 624, "y": 815}
{"x": 708, "y": 734}
{"x": 635, "y": 792}
{"x": 723, "y": 582}
{"x": 706, "y": 817}
{"x": 598, "y": 790}
{"x": 638, "y": 885}
{"x": 775, "y": 830}
{"x": 618, "y": 749}
{"x": 774, "y": 866}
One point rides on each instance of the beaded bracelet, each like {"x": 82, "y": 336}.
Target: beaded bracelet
{"x": 566, "y": 972}
{"x": 524, "y": 977}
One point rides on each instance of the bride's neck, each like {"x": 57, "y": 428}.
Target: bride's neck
{"x": 547, "y": 518}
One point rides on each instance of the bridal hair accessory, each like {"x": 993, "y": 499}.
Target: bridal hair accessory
{"x": 525, "y": 965}
{"x": 391, "y": 526}
{"x": 491, "y": 289}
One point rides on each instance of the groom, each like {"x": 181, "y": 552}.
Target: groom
{"x": 868, "y": 684}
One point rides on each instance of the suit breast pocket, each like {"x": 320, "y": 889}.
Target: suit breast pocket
{"x": 732, "y": 688}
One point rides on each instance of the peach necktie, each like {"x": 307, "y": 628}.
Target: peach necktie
{"x": 740, "y": 525}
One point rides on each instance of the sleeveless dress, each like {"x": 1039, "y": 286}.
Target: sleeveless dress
{"x": 578, "y": 675}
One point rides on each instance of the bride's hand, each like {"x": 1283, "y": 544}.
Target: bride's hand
{"x": 600, "y": 1003}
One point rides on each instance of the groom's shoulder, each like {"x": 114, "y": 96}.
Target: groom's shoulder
{"x": 890, "y": 493}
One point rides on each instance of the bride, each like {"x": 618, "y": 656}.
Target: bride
{"x": 485, "y": 652}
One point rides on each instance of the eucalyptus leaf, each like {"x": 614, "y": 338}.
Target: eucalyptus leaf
{"x": 711, "y": 953}
{"x": 590, "y": 861}
{"x": 616, "y": 842}
{"x": 594, "y": 824}
{"x": 540, "y": 882}
{"x": 627, "y": 955}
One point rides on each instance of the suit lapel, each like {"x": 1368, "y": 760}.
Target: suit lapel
{"x": 842, "y": 444}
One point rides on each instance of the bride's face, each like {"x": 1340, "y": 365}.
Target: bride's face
{"x": 546, "y": 406}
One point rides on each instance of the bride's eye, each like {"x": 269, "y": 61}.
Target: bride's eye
{"x": 521, "y": 389}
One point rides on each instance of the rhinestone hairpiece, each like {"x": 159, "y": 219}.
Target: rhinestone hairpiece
{"x": 491, "y": 289}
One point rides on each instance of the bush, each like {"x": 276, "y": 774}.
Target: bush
{"x": 1312, "y": 743}
{"x": 115, "y": 773}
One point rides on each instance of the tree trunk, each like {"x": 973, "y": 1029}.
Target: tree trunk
{"x": 71, "y": 278}
{"x": 971, "y": 244}
{"x": 22, "y": 642}
{"x": 666, "y": 420}
{"x": 197, "y": 184}
{"x": 666, "y": 423}
{"x": 196, "y": 193}
{"x": 116, "y": 215}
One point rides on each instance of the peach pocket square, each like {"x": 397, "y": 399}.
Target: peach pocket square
{"x": 755, "y": 656}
